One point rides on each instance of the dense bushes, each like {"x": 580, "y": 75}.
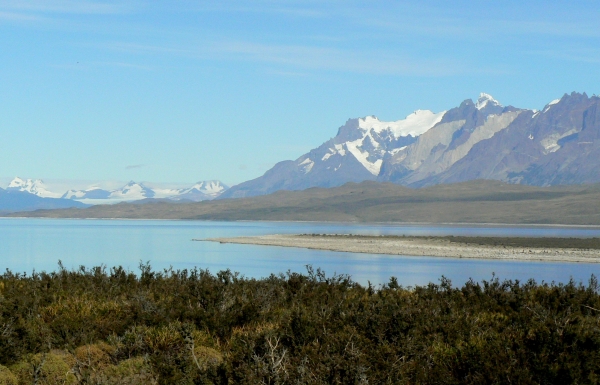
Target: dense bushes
{"x": 111, "y": 326}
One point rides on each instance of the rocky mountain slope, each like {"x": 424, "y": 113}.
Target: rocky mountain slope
{"x": 558, "y": 145}
{"x": 355, "y": 154}
{"x": 476, "y": 140}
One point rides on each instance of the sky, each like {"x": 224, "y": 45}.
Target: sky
{"x": 183, "y": 91}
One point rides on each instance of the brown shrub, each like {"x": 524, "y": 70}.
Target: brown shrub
{"x": 133, "y": 371}
{"x": 7, "y": 377}
{"x": 50, "y": 368}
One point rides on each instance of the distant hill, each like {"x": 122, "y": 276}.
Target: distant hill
{"x": 479, "y": 201}
{"x": 11, "y": 201}
{"x": 476, "y": 140}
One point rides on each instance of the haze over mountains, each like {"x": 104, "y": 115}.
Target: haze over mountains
{"x": 476, "y": 140}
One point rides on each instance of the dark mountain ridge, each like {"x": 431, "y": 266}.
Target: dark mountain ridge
{"x": 480, "y": 201}
{"x": 11, "y": 201}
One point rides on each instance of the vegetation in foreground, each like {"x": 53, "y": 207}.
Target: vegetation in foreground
{"x": 112, "y": 326}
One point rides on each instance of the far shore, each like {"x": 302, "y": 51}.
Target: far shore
{"x": 12, "y": 216}
{"x": 584, "y": 250}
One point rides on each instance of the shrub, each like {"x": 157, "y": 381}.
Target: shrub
{"x": 7, "y": 377}
{"x": 50, "y": 368}
{"x": 190, "y": 327}
{"x": 132, "y": 371}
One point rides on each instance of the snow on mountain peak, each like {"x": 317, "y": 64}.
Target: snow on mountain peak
{"x": 378, "y": 136}
{"x": 17, "y": 183}
{"x": 132, "y": 191}
{"x": 200, "y": 191}
{"x": 36, "y": 187}
{"x": 73, "y": 194}
{"x": 210, "y": 187}
{"x": 414, "y": 124}
{"x": 484, "y": 100}
{"x": 547, "y": 106}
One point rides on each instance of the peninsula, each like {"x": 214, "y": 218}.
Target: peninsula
{"x": 586, "y": 250}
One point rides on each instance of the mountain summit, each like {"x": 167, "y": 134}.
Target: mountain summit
{"x": 204, "y": 190}
{"x": 484, "y": 100}
{"x": 355, "y": 154}
{"x": 28, "y": 194}
{"x": 476, "y": 140}
{"x": 132, "y": 191}
{"x": 35, "y": 187}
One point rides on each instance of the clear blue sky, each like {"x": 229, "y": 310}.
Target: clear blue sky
{"x": 180, "y": 91}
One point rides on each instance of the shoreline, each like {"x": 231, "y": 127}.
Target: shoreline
{"x": 443, "y": 247}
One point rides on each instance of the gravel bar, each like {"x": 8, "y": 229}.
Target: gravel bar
{"x": 451, "y": 247}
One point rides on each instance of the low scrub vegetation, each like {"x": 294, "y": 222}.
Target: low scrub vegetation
{"x": 112, "y": 326}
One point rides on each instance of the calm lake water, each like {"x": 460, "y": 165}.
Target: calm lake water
{"x": 38, "y": 244}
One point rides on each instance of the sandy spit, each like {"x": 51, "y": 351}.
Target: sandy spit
{"x": 435, "y": 247}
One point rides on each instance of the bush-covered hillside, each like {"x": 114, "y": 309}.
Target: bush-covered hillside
{"x": 112, "y": 326}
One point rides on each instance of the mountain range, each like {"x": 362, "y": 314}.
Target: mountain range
{"x": 29, "y": 194}
{"x": 479, "y": 139}
{"x": 479, "y": 201}
{"x": 205, "y": 190}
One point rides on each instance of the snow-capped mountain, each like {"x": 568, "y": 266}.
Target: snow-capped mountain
{"x": 558, "y": 145}
{"x": 35, "y": 187}
{"x": 355, "y": 154}
{"x": 476, "y": 140}
{"x": 212, "y": 188}
{"x": 132, "y": 191}
{"x": 13, "y": 199}
{"x": 449, "y": 141}
{"x": 485, "y": 100}
{"x": 91, "y": 193}
{"x": 201, "y": 191}
{"x": 205, "y": 190}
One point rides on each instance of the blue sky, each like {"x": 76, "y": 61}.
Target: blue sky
{"x": 181, "y": 91}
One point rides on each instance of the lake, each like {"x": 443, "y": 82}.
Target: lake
{"x": 38, "y": 244}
